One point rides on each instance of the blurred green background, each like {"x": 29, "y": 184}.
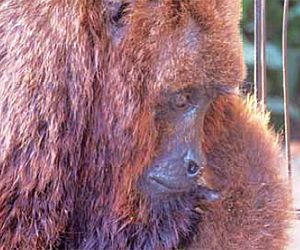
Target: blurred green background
{"x": 273, "y": 58}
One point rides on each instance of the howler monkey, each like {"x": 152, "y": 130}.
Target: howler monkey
{"x": 122, "y": 127}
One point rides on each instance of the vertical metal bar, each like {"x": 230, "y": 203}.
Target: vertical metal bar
{"x": 257, "y": 76}
{"x": 260, "y": 81}
{"x": 285, "y": 87}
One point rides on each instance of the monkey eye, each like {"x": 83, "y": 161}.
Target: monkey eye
{"x": 182, "y": 101}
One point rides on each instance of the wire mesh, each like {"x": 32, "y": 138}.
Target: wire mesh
{"x": 260, "y": 82}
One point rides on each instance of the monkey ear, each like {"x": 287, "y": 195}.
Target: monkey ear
{"x": 117, "y": 14}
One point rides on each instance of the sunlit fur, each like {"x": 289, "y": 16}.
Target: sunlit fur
{"x": 246, "y": 163}
{"x": 77, "y": 128}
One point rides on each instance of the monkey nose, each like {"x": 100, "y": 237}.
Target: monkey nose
{"x": 193, "y": 168}
{"x": 193, "y": 164}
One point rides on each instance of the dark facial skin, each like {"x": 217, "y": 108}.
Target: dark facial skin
{"x": 179, "y": 160}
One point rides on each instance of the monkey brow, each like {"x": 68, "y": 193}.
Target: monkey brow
{"x": 217, "y": 89}
{"x": 221, "y": 89}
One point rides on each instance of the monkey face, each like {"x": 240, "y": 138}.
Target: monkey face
{"x": 180, "y": 161}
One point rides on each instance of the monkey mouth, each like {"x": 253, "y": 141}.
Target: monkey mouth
{"x": 167, "y": 187}
{"x": 202, "y": 195}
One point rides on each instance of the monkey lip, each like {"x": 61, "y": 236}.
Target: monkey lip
{"x": 168, "y": 187}
{"x": 203, "y": 193}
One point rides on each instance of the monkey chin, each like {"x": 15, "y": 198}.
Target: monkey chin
{"x": 154, "y": 220}
{"x": 172, "y": 219}
{"x": 169, "y": 221}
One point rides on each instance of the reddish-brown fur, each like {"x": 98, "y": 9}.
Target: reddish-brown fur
{"x": 77, "y": 128}
{"x": 255, "y": 210}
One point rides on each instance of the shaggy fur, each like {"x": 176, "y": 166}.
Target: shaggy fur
{"x": 255, "y": 210}
{"x": 79, "y": 84}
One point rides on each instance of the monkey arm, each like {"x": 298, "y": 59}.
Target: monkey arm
{"x": 245, "y": 160}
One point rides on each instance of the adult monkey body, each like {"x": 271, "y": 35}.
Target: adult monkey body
{"x": 113, "y": 114}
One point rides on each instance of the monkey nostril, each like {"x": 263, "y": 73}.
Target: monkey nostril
{"x": 193, "y": 168}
